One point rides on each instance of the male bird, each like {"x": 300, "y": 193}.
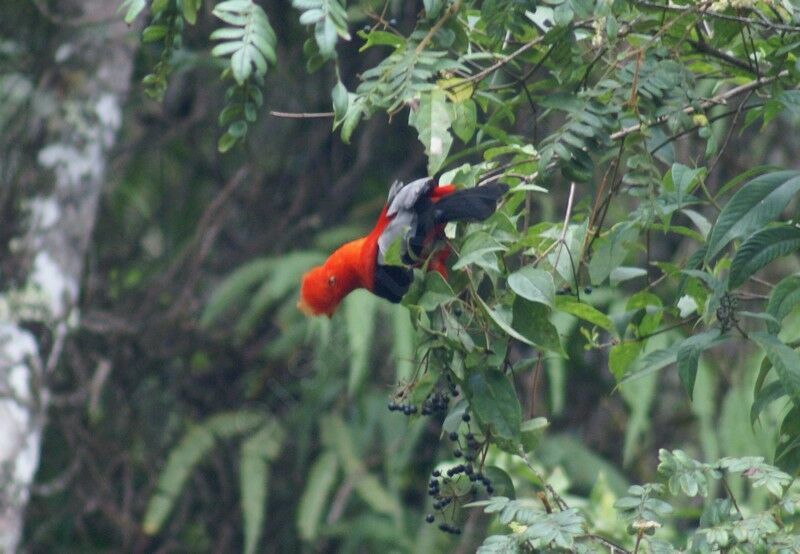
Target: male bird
{"x": 416, "y": 214}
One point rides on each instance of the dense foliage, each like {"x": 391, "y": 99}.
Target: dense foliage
{"x": 613, "y": 359}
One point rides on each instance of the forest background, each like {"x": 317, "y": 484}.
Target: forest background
{"x": 614, "y": 351}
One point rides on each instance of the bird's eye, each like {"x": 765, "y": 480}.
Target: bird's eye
{"x": 331, "y": 281}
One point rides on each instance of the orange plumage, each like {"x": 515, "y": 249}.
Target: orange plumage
{"x": 415, "y": 214}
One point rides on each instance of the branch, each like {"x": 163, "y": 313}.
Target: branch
{"x": 301, "y": 115}
{"x": 743, "y": 20}
{"x": 438, "y": 25}
{"x": 716, "y": 100}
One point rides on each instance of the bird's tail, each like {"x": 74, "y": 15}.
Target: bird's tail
{"x": 473, "y": 204}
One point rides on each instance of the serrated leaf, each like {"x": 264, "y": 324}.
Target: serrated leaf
{"x": 760, "y": 249}
{"x": 757, "y": 203}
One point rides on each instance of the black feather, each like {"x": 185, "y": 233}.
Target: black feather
{"x": 392, "y": 282}
{"x": 474, "y": 204}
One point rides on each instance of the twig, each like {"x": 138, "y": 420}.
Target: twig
{"x": 563, "y": 238}
{"x": 613, "y": 548}
{"x": 718, "y": 99}
{"x": 729, "y": 134}
{"x": 718, "y": 15}
{"x": 732, "y": 497}
{"x": 301, "y": 115}
{"x": 436, "y": 26}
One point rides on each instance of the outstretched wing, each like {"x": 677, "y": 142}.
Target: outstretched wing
{"x": 417, "y": 212}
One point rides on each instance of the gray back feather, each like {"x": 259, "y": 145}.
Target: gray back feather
{"x": 401, "y": 203}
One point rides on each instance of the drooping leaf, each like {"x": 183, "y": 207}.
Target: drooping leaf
{"x": 760, "y": 249}
{"x": 183, "y": 459}
{"x": 360, "y": 309}
{"x": 319, "y": 485}
{"x": 757, "y": 203}
{"x": 785, "y": 361}
{"x": 431, "y": 119}
{"x": 784, "y": 298}
{"x": 495, "y": 404}
{"x": 689, "y": 355}
{"x": 532, "y": 321}
{"x": 256, "y": 454}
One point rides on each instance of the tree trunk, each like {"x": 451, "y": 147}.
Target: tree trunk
{"x": 76, "y": 113}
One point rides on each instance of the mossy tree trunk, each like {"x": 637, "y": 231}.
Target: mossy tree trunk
{"x": 54, "y": 171}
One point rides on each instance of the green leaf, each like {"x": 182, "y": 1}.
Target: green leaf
{"x": 785, "y": 361}
{"x": 359, "y": 309}
{"x": 621, "y": 356}
{"x": 380, "y": 38}
{"x": 584, "y": 311}
{"x": 476, "y": 247}
{"x": 226, "y": 142}
{"x": 193, "y": 447}
{"x": 234, "y": 287}
{"x": 758, "y": 202}
{"x": 494, "y": 402}
{"x": 336, "y": 436}
{"x": 319, "y": 485}
{"x": 784, "y": 298}
{"x": 431, "y": 119}
{"x": 651, "y": 362}
{"x": 532, "y": 321}
{"x": 436, "y": 292}
{"x": 501, "y": 482}
{"x": 134, "y": 8}
{"x": 620, "y": 274}
{"x": 760, "y": 249}
{"x": 532, "y": 432}
{"x": 256, "y": 452}
{"x": 764, "y": 397}
{"x": 464, "y": 117}
{"x": 533, "y": 284}
{"x": 190, "y": 8}
{"x": 611, "y": 251}
{"x": 689, "y": 355}
{"x": 153, "y": 33}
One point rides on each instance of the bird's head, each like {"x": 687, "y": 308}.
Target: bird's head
{"x": 321, "y": 292}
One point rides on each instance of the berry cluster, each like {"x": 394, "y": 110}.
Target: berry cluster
{"x": 445, "y": 489}
{"x": 437, "y": 402}
{"x": 407, "y": 409}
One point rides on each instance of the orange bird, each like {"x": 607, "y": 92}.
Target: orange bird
{"x": 415, "y": 213}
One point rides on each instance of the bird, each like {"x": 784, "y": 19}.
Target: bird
{"x": 415, "y": 214}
